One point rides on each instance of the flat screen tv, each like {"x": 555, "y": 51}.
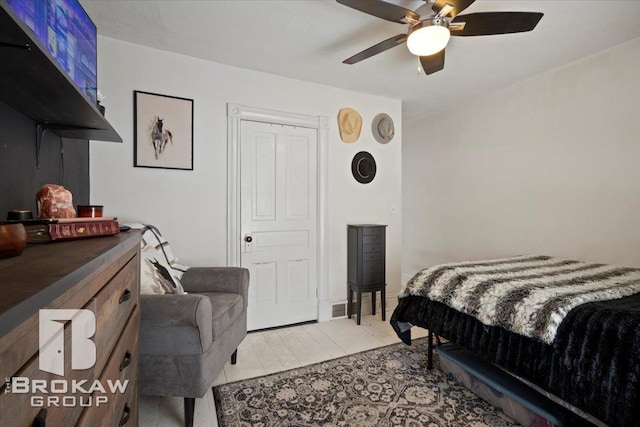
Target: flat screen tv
{"x": 65, "y": 29}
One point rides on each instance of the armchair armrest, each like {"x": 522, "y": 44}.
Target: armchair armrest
{"x": 175, "y": 324}
{"x": 217, "y": 279}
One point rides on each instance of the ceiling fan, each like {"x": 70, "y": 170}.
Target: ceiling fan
{"x": 431, "y": 27}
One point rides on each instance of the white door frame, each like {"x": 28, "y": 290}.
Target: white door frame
{"x": 235, "y": 114}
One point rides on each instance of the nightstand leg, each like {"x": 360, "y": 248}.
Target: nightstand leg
{"x": 349, "y": 301}
{"x": 373, "y": 303}
{"x": 383, "y": 303}
{"x": 359, "y": 304}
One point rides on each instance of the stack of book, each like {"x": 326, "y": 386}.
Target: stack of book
{"x": 51, "y": 230}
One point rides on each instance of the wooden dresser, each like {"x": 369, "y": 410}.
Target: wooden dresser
{"x": 366, "y": 265}
{"x": 101, "y": 275}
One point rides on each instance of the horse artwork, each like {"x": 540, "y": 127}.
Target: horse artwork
{"x": 163, "y": 131}
{"x": 159, "y": 136}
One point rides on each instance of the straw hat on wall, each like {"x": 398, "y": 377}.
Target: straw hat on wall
{"x": 350, "y": 124}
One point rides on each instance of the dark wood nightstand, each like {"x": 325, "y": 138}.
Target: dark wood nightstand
{"x": 365, "y": 265}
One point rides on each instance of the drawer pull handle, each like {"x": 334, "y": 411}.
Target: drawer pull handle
{"x": 126, "y": 414}
{"x": 126, "y": 361}
{"x": 126, "y": 296}
{"x": 41, "y": 419}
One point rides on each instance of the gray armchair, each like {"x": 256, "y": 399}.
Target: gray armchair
{"x": 185, "y": 340}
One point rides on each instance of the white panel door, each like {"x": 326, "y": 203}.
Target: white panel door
{"x": 278, "y": 185}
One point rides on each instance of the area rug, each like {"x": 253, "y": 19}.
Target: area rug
{"x": 388, "y": 386}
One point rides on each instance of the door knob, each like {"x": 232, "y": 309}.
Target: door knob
{"x": 248, "y": 239}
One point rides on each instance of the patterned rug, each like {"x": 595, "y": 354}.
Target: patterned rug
{"x": 388, "y": 386}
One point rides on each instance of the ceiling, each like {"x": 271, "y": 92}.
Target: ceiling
{"x": 309, "y": 39}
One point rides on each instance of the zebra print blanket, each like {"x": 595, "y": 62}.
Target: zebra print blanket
{"x": 527, "y": 295}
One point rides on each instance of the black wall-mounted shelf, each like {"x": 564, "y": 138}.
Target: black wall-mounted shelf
{"x": 35, "y": 85}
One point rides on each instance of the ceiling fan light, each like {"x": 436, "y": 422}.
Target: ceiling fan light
{"x": 428, "y": 38}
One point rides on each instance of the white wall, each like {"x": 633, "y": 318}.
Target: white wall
{"x": 189, "y": 207}
{"x": 549, "y": 165}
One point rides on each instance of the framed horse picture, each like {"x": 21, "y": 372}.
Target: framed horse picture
{"x": 162, "y": 131}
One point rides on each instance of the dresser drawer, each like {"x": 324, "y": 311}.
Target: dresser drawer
{"x": 370, "y": 267}
{"x": 367, "y": 231}
{"x": 114, "y": 304}
{"x": 371, "y": 279}
{"x": 376, "y": 247}
{"x": 372, "y": 256}
{"x": 121, "y": 366}
{"x": 373, "y": 238}
{"x": 122, "y": 412}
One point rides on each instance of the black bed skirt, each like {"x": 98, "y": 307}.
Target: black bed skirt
{"x": 594, "y": 362}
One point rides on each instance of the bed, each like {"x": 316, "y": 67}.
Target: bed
{"x": 569, "y": 327}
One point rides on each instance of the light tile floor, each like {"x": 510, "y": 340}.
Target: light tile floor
{"x": 275, "y": 350}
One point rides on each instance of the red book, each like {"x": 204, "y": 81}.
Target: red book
{"x": 68, "y": 230}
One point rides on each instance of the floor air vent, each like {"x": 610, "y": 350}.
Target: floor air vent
{"x": 338, "y": 310}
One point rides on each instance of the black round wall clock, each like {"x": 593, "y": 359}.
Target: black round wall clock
{"x": 363, "y": 167}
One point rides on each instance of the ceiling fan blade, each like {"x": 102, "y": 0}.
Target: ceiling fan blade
{"x": 381, "y": 9}
{"x": 376, "y": 49}
{"x": 425, "y": 9}
{"x": 489, "y": 23}
{"x": 432, "y": 63}
{"x": 458, "y": 6}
